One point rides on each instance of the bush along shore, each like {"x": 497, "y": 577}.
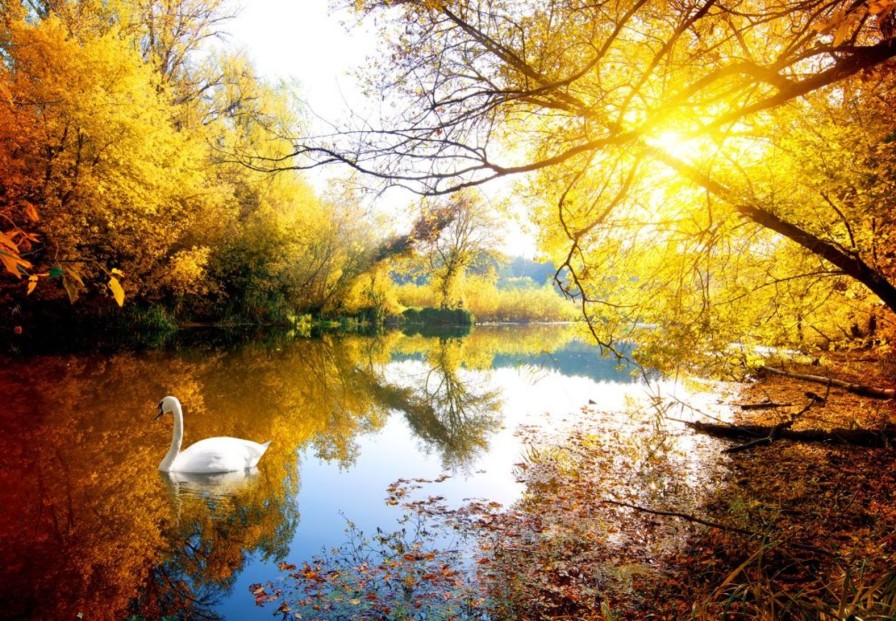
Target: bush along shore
{"x": 132, "y": 327}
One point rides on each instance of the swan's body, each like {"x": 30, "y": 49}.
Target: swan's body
{"x": 207, "y": 456}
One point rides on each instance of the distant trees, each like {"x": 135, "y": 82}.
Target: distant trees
{"x": 450, "y": 260}
{"x": 467, "y": 235}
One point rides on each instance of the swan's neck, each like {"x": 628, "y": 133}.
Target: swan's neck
{"x": 177, "y": 437}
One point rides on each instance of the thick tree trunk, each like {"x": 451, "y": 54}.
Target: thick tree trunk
{"x": 850, "y": 264}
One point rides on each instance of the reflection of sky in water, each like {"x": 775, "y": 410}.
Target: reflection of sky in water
{"x": 530, "y": 395}
{"x": 85, "y": 517}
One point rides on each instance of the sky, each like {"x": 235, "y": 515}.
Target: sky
{"x": 304, "y": 42}
{"x": 301, "y": 40}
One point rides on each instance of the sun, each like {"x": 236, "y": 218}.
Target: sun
{"x": 674, "y": 144}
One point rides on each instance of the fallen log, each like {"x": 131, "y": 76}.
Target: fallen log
{"x": 771, "y": 437}
{"x": 870, "y": 438}
{"x": 858, "y": 389}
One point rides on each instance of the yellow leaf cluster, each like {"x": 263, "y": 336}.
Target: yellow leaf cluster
{"x": 124, "y": 143}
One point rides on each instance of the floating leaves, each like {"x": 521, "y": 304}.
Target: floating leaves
{"x": 414, "y": 572}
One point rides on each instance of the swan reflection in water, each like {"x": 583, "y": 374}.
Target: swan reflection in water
{"x": 213, "y": 486}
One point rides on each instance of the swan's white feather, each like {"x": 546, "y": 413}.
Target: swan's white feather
{"x": 209, "y": 456}
{"x": 220, "y": 454}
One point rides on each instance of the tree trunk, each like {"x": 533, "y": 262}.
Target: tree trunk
{"x": 853, "y": 437}
{"x": 850, "y": 264}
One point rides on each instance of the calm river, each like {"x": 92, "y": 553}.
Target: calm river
{"x": 90, "y": 529}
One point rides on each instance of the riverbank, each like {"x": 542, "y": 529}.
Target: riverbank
{"x": 785, "y": 530}
{"x": 83, "y": 329}
{"x": 822, "y": 517}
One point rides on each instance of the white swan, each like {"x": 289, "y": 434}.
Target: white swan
{"x": 207, "y": 456}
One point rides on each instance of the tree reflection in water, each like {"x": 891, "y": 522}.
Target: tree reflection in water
{"x": 452, "y": 415}
{"x": 87, "y": 526}
{"x": 217, "y": 522}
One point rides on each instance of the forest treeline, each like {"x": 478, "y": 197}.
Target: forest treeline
{"x": 122, "y": 131}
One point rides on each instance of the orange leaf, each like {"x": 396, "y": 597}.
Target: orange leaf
{"x": 31, "y": 212}
{"x": 7, "y": 241}
{"x": 117, "y": 291}
{"x": 881, "y": 6}
{"x": 13, "y": 263}
{"x": 843, "y": 32}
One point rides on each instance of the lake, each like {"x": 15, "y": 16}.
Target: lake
{"x": 90, "y": 528}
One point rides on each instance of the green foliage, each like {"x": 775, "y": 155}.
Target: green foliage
{"x": 430, "y": 316}
{"x": 302, "y": 325}
{"x": 152, "y": 319}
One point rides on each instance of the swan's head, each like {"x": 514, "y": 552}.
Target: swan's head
{"x": 167, "y": 405}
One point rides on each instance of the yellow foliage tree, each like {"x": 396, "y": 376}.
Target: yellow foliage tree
{"x": 114, "y": 181}
{"x": 656, "y": 139}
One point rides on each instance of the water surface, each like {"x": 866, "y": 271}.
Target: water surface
{"x": 90, "y": 526}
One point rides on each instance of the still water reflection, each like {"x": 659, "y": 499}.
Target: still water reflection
{"x": 90, "y": 526}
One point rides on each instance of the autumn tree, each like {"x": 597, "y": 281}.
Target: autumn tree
{"x": 124, "y": 133}
{"x": 648, "y": 137}
{"x": 288, "y": 252}
{"x": 102, "y": 159}
{"x": 465, "y": 236}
